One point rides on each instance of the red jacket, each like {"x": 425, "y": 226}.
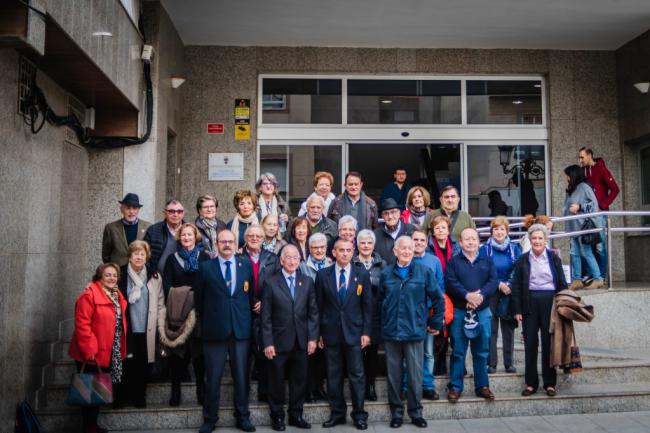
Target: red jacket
{"x": 94, "y": 326}
{"x": 603, "y": 182}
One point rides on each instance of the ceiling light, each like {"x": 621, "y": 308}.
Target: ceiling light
{"x": 642, "y": 86}
{"x": 537, "y": 85}
{"x": 386, "y": 101}
{"x": 517, "y": 102}
{"x": 177, "y": 82}
{"x": 103, "y": 34}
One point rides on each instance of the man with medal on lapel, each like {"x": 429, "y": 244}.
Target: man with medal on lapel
{"x": 289, "y": 334}
{"x": 225, "y": 301}
{"x": 344, "y": 297}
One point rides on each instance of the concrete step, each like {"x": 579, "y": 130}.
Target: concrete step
{"x": 53, "y": 397}
{"x": 578, "y": 398}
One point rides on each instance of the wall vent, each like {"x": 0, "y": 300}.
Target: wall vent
{"x": 26, "y": 78}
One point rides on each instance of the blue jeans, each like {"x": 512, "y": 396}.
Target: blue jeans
{"x": 427, "y": 380}
{"x": 579, "y": 252}
{"x": 480, "y": 350}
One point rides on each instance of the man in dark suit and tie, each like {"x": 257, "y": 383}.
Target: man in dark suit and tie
{"x": 289, "y": 334}
{"x": 344, "y": 297}
{"x": 225, "y": 300}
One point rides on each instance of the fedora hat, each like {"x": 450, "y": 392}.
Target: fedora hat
{"x": 131, "y": 199}
{"x": 389, "y": 204}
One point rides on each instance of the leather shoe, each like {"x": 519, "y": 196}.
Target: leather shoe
{"x": 430, "y": 394}
{"x": 360, "y": 424}
{"x": 492, "y": 370}
{"x": 396, "y": 423}
{"x": 206, "y": 427}
{"x": 511, "y": 369}
{"x": 419, "y": 422}
{"x": 246, "y": 425}
{"x": 453, "y": 395}
{"x": 333, "y": 422}
{"x": 484, "y": 392}
{"x": 277, "y": 424}
{"x": 528, "y": 391}
{"x": 299, "y": 422}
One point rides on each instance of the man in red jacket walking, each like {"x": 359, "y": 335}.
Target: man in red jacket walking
{"x": 605, "y": 189}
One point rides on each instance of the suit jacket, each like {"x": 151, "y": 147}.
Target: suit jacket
{"x": 114, "y": 246}
{"x": 348, "y": 321}
{"x": 287, "y": 321}
{"x": 224, "y": 315}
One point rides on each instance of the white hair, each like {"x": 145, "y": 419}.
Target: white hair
{"x": 286, "y": 248}
{"x": 316, "y": 197}
{"x": 347, "y": 219}
{"x": 316, "y": 237}
{"x": 538, "y": 228}
{"x": 365, "y": 234}
{"x": 402, "y": 239}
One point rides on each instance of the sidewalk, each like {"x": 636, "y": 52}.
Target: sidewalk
{"x": 615, "y": 422}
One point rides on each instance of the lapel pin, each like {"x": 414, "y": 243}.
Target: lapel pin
{"x": 359, "y": 289}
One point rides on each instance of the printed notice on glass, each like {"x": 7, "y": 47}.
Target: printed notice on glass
{"x": 225, "y": 166}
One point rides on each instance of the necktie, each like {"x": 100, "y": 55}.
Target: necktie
{"x": 292, "y": 287}
{"x": 229, "y": 277}
{"x": 342, "y": 288}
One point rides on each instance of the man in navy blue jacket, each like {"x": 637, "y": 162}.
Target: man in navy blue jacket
{"x": 402, "y": 297}
{"x": 225, "y": 300}
{"x": 470, "y": 280}
{"x": 344, "y": 298}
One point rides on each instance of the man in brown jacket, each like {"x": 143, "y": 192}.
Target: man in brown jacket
{"x": 119, "y": 234}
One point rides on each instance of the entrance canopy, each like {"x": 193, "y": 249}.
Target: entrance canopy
{"x": 554, "y": 24}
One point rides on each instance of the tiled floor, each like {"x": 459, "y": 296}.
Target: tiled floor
{"x": 618, "y": 422}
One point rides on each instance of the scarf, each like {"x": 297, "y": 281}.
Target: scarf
{"x": 267, "y": 208}
{"x": 136, "y": 281}
{"x": 113, "y": 295}
{"x": 346, "y": 208}
{"x": 269, "y": 246}
{"x": 444, "y": 258}
{"x": 318, "y": 264}
{"x": 190, "y": 258}
{"x": 116, "y": 352}
{"x": 239, "y": 219}
{"x": 417, "y": 217}
{"x": 210, "y": 227}
{"x": 505, "y": 246}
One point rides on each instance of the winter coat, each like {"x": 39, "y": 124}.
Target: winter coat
{"x": 156, "y": 237}
{"x": 371, "y": 212}
{"x": 378, "y": 265}
{"x": 567, "y": 307}
{"x": 115, "y": 248}
{"x": 384, "y": 241}
{"x": 605, "y": 187}
{"x": 521, "y": 281}
{"x": 583, "y": 196}
{"x": 94, "y": 326}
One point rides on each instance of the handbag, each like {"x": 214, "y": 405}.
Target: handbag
{"x": 589, "y": 238}
{"x": 26, "y": 421}
{"x": 90, "y": 389}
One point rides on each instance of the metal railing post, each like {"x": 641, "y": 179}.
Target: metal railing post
{"x": 608, "y": 232}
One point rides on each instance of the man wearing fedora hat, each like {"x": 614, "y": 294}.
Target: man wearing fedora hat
{"x": 391, "y": 229}
{"x": 119, "y": 234}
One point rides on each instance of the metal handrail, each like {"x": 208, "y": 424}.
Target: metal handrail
{"x": 608, "y": 230}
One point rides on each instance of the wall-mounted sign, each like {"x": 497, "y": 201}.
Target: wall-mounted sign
{"x": 225, "y": 166}
{"x": 242, "y": 119}
{"x": 215, "y": 128}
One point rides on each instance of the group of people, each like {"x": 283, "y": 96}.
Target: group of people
{"x": 311, "y": 298}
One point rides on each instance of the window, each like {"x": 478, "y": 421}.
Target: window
{"x": 504, "y": 102}
{"x": 506, "y": 180}
{"x": 301, "y": 101}
{"x": 294, "y": 167}
{"x": 404, "y": 101}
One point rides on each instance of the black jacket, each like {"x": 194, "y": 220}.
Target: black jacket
{"x": 205, "y": 238}
{"x": 285, "y": 320}
{"x": 378, "y": 264}
{"x": 156, "y": 237}
{"x": 521, "y": 280}
{"x": 344, "y": 322}
{"x": 175, "y": 276}
{"x": 385, "y": 242}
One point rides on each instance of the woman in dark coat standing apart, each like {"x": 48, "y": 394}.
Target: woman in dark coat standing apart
{"x": 181, "y": 269}
{"x": 374, "y": 264}
{"x": 538, "y": 276}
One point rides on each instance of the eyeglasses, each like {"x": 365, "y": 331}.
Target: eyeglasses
{"x": 267, "y": 184}
{"x": 226, "y": 242}
{"x": 209, "y": 207}
{"x": 173, "y": 211}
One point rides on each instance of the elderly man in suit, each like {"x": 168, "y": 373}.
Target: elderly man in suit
{"x": 289, "y": 334}
{"x": 119, "y": 234}
{"x": 344, "y": 297}
{"x": 225, "y": 301}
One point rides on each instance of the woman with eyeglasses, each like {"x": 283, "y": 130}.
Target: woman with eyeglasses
{"x": 269, "y": 202}
{"x": 208, "y": 223}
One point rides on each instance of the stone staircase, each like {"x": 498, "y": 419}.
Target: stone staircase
{"x": 610, "y": 382}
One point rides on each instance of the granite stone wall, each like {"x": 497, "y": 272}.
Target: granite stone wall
{"x": 582, "y": 101}
{"x": 632, "y": 66}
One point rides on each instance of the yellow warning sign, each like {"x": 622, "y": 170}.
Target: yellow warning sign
{"x": 242, "y": 132}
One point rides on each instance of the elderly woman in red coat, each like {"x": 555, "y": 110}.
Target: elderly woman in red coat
{"x": 99, "y": 338}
